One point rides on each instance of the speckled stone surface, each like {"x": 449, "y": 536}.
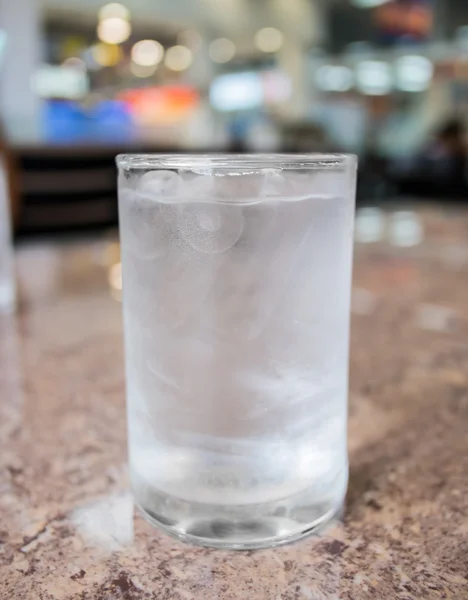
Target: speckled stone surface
{"x": 67, "y": 527}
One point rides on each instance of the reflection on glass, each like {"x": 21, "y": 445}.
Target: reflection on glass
{"x": 106, "y": 523}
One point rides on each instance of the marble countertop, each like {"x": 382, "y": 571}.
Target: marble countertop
{"x": 67, "y": 526}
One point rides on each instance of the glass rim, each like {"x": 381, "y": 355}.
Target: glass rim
{"x": 240, "y": 161}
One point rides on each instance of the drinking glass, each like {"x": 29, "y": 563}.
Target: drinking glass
{"x": 7, "y": 276}
{"x": 236, "y": 290}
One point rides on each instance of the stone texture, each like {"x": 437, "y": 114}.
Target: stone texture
{"x": 67, "y": 527}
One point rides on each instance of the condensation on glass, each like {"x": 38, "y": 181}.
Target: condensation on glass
{"x": 236, "y": 283}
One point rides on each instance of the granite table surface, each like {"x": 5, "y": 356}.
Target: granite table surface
{"x": 67, "y": 524}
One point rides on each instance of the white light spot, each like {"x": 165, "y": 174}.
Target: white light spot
{"x": 374, "y": 77}
{"x": 269, "y": 39}
{"x": 114, "y": 9}
{"x": 114, "y": 30}
{"x": 178, "y": 58}
{"x": 406, "y": 229}
{"x": 222, "y": 50}
{"x": 369, "y": 225}
{"x": 335, "y": 78}
{"x": 147, "y": 53}
{"x": 413, "y": 73}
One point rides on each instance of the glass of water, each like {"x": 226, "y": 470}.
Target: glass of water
{"x": 7, "y": 276}
{"x": 236, "y": 284}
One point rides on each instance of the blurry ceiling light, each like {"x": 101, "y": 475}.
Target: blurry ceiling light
{"x": 178, "y": 58}
{"x": 373, "y": 78}
{"x": 269, "y": 39}
{"x": 114, "y": 30}
{"x": 222, "y": 50}
{"x": 334, "y": 78}
{"x": 190, "y": 38}
{"x": 414, "y": 73}
{"x": 147, "y": 53}
{"x": 142, "y": 70}
{"x": 114, "y": 9}
{"x": 368, "y": 3}
{"x": 107, "y": 55}
{"x": 75, "y": 63}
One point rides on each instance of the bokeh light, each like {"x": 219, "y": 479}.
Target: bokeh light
{"x": 178, "y": 58}
{"x": 374, "y": 77}
{"x": 112, "y": 10}
{"x": 191, "y": 39}
{"x": 147, "y": 53}
{"x": 334, "y": 78}
{"x": 114, "y": 276}
{"x": 142, "y": 70}
{"x": 414, "y": 73}
{"x": 114, "y": 30}
{"x": 222, "y": 50}
{"x": 107, "y": 55}
{"x": 75, "y": 63}
{"x": 269, "y": 39}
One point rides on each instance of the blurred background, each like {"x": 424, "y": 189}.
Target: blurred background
{"x": 82, "y": 81}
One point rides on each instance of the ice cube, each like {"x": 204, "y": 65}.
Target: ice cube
{"x": 160, "y": 185}
{"x": 199, "y": 186}
{"x": 275, "y": 184}
{"x": 243, "y": 186}
{"x": 125, "y": 181}
{"x": 238, "y": 186}
{"x": 143, "y": 227}
{"x": 210, "y": 228}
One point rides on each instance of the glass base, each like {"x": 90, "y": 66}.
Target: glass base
{"x": 245, "y": 527}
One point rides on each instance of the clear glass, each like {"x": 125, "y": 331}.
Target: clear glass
{"x": 236, "y": 285}
{"x": 7, "y": 277}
